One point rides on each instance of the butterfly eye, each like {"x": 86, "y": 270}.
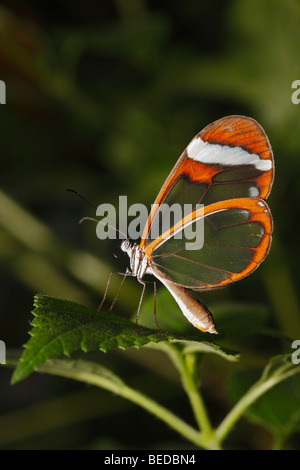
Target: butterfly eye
{"x": 126, "y": 245}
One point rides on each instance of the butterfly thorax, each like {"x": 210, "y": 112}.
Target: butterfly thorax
{"x": 139, "y": 261}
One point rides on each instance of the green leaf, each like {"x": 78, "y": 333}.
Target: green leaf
{"x": 278, "y": 409}
{"x": 95, "y": 374}
{"x": 86, "y": 371}
{"x": 190, "y": 347}
{"x": 62, "y": 327}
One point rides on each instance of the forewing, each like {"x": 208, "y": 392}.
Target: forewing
{"x": 230, "y": 158}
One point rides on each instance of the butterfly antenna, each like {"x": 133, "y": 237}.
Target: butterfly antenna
{"x": 103, "y": 222}
{"x": 95, "y": 220}
{"x": 81, "y": 197}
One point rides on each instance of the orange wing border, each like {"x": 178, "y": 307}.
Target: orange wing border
{"x": 259, "y": 212}
{"x": 235, "y": 131}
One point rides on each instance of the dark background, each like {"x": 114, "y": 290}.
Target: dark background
{"x": 103, "y": 97}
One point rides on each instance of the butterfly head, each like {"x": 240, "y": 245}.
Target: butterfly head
{"x": 127, "y": 245}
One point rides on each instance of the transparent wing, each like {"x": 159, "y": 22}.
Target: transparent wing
{"x": 237, "y": 237}
{"x": 230, "y": 158}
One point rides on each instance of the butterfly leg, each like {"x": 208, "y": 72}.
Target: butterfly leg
{"x": 141, "y": 300}
{"x": 140, "y": 304}
{"x": 154, "y": 309}
{"x": 127, "y": 273}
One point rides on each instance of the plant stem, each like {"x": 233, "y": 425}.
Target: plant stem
{"x": 279, "y": 442}
{"x": 80, "y": 370}
{"x": 164, "y": 414}
{"x": 190, "y": 386}
{"x": 186, "y": 365}
{"x": 258, "y": 389}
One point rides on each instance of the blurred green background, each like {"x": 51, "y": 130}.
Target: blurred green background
{"x": 103, "y": 97}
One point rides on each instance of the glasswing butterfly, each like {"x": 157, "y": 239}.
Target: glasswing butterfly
{"x": 229, "y": 168}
